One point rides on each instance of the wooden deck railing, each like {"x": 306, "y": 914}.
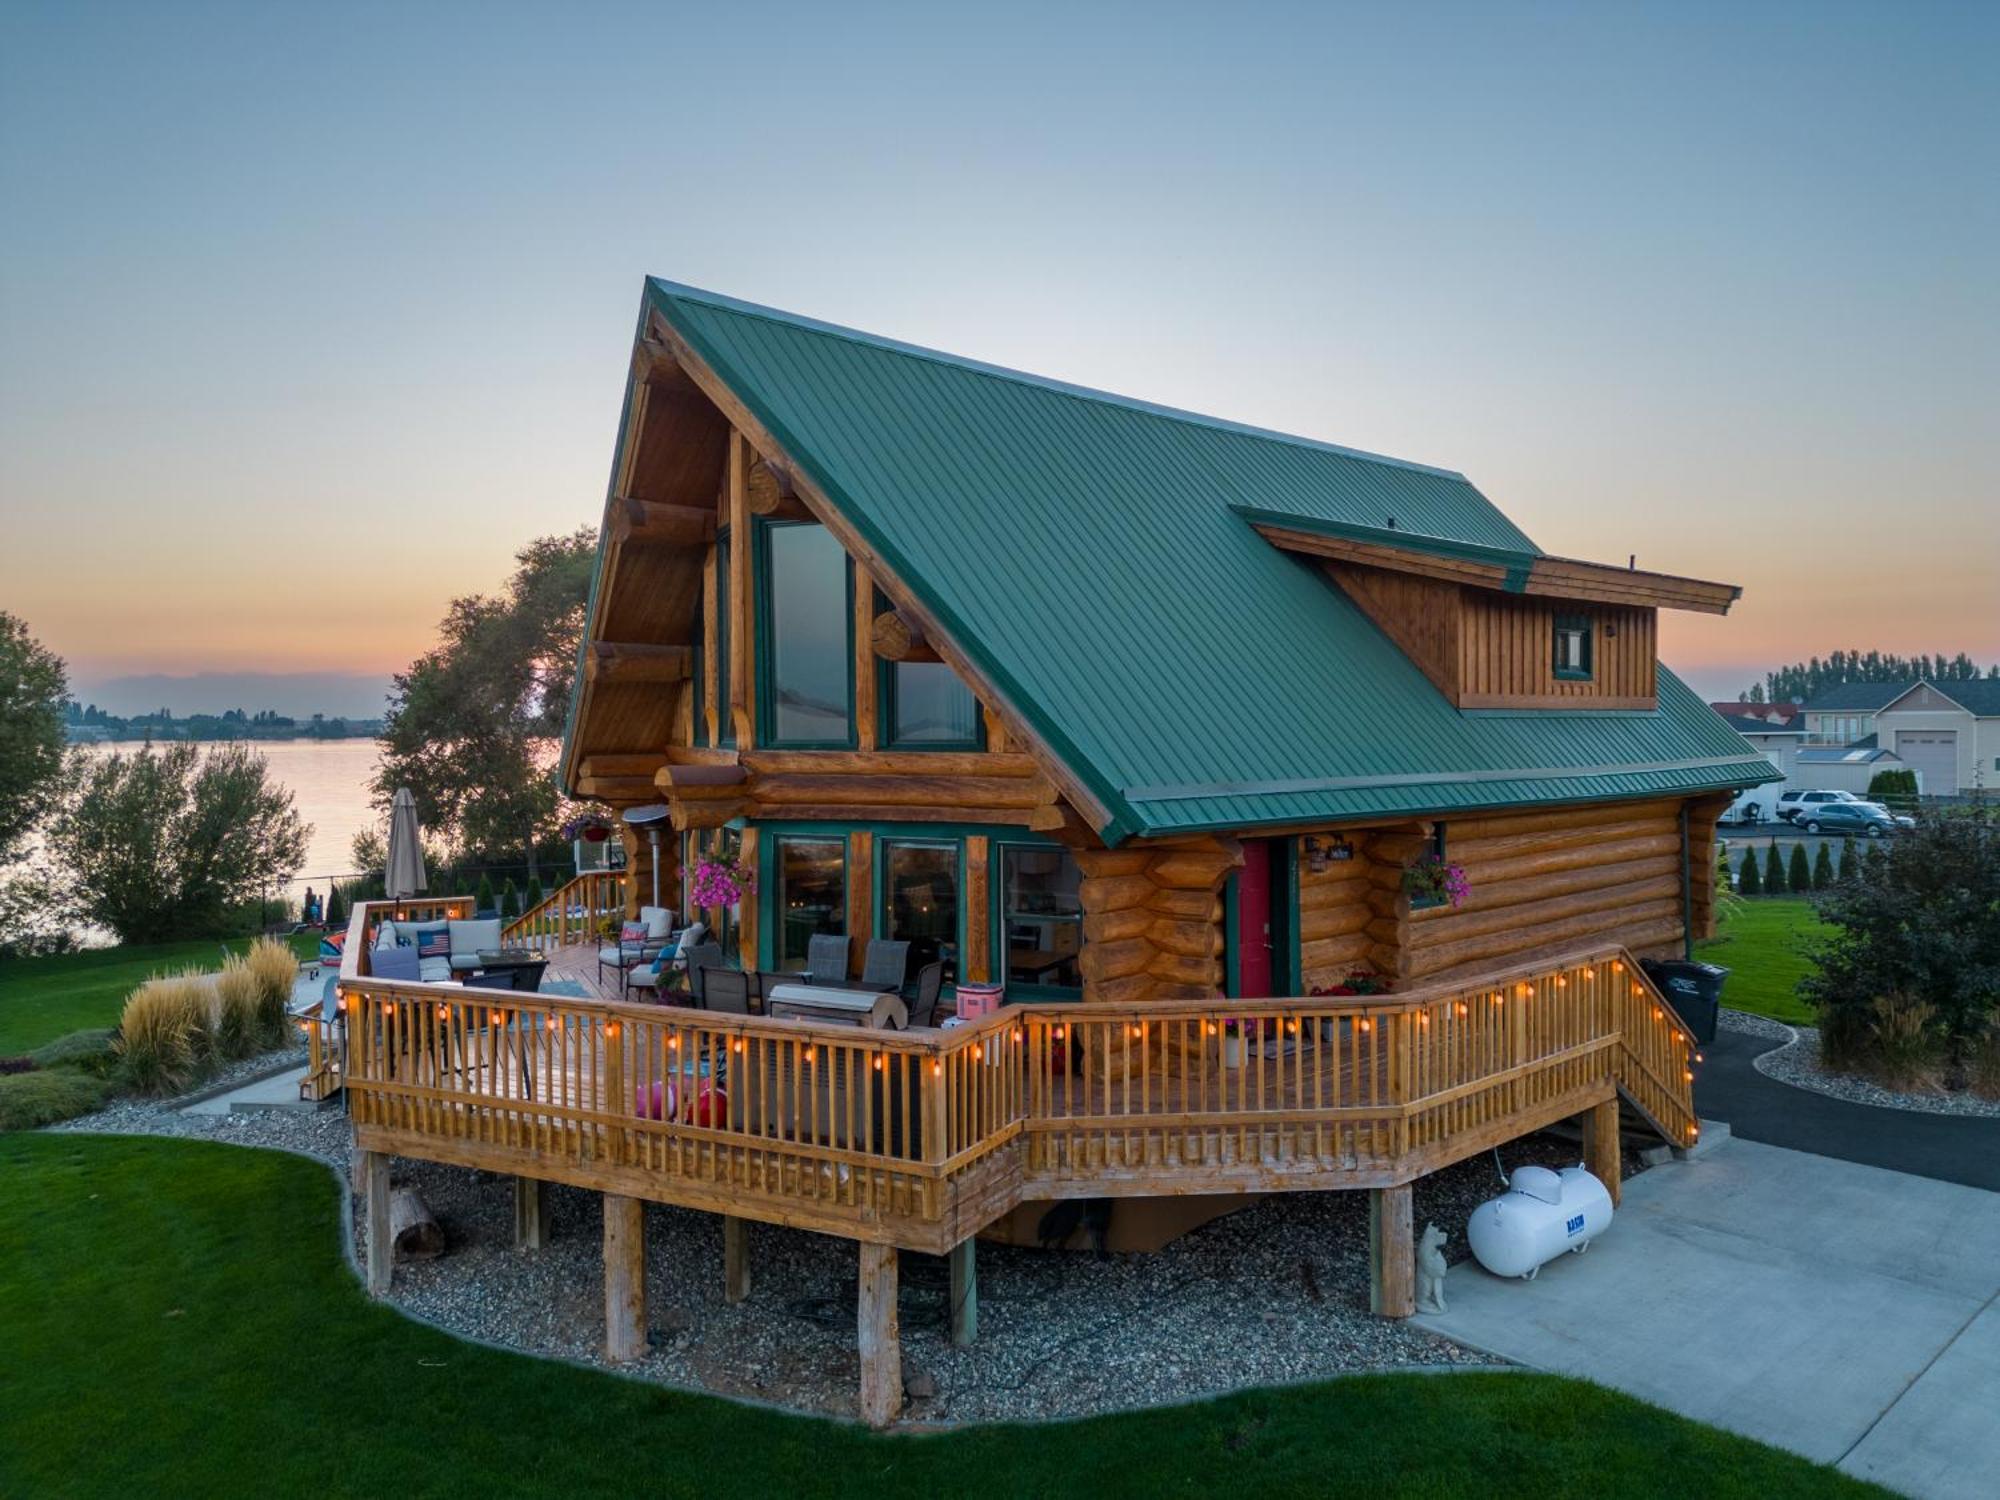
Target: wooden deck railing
{"x": 570, "y": 915}
{"x": 921, "y": 1138}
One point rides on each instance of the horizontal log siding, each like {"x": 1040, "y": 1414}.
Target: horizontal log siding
{"x": 1543, "y": 881}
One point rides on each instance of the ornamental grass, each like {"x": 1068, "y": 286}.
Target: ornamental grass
{"x": 164, "y": 1035}
{"x": 276, "y": 968}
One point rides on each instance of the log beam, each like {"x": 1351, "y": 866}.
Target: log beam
{"x": 627, "y": 662}
{"x": 531, "y": 1213}
{"x": 879, "y": 1336}
{"x": 1392, "y": 1263}
{"x": 624, "y": 1278}
{"x": 655, "y": 523}
{"x": 772, "y": 494}
{"x": 373, "y": 1170}
{"x": 735, "y": 1258}
{"x": 1601, "y": 1147}
{"x": 899, "y": 638}
{"x": 965, "y": 1292}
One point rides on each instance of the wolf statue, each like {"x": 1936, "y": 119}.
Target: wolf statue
{"x": 1430, "y": 1270}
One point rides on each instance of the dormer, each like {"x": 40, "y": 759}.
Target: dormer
{"x": 1500, "y": 628}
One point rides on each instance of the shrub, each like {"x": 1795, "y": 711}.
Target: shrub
{"x": 1822, "y": 874}
{"x": 276, "y": 969}
{"x": 1895, "y": 789}
{"x": 1799, "y": 875}
{"x": 1774, "y": 871}
{"x": 46, "y": 1095}
{"x": 94, "y": 1051}
{"x": 237, "y": 1025}
{"x": 510, "y": 901}
{"x": 1903, "y": 1047}
{"x": 1847, "y": 865}
{"x": 1916, "y": 919}
{"x": 1983, "y": 1070}
{"x": 534, "y": 896}
{"x": 336, "y": 907}
{"x": 163, "y": 1035}
{"x": 1752, "y": 883}
{"x": 483, "y": 896}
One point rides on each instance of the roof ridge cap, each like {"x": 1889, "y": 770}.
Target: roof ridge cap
{"x": 1044, "y": 382}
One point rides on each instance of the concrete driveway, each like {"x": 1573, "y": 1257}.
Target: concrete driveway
{"x": 1842, "y": 1311}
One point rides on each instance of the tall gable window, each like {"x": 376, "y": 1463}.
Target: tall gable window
{"x": 806, "y": 646}
{"x": 1572, "y": 648}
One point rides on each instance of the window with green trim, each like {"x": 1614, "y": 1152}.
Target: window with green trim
{"x": 926, "y": 707}
{"x": 809, "y": 895}
{"x": 1040, "y": 932}
{"x": 1572, "y": 648}
{"x": 805, "y": 644}
{"x": 920, "y": 900}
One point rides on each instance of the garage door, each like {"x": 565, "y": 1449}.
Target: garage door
{"x": 1933, "y": 753}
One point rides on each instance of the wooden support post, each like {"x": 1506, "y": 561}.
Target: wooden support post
{"x": 735, "y": 1258}
{"x": 1392, "y": 1265}
{"x": 1601, "y": 1147}
{"x": 881, "y": 1343}
{"x": 374, "y": 1175}
{"x": 624, "y": 1277}
{"x": 531, "y": 1213}
{"x": 964, "y": 1293}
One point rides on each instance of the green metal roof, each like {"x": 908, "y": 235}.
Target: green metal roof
{"x": 1087, "y": 552}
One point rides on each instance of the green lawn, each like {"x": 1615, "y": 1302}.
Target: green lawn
{"x": 44, "y": 998}
{"x": 1760, "y": 945}
{"x": 179, "y": 1322}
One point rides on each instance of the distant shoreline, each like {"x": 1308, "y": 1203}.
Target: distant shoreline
{"x": 369, "y": 735}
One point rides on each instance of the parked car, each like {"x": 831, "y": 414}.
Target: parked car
{"x": 1901, "y": 820}
{"x": 1795, "y": 801}
{"x": 1847, "y": 817}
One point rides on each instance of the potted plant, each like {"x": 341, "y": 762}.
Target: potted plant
{"x": 718, "y": 882}
{"x": 587, "y": 826}
{"x": 1237, "y": 1033}
{"x": 1434, "y": 881}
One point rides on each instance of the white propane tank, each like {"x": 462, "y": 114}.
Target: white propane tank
{"x": 1541, "y": 1214}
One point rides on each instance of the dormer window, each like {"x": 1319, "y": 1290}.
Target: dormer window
{"x": 1572, "y": 648}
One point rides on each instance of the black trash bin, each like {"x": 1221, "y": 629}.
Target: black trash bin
{"x": 1693, "y": 989}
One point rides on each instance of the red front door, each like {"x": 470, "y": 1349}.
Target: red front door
{"x": 1254, "y": 968}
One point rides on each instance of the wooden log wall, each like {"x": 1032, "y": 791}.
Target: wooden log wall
{"x": 1351, "y": 915}
{"x": 1562, "y": 877}
{"x": 1152, "y": 919}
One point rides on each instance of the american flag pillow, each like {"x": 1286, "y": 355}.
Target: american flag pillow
{"x": 434, "y": 945}
{"x": 632, "y": 932}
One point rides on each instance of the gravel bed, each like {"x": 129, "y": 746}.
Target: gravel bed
{"x": 1274, "y": 1293}
{"x": 1753, "y": 1025}
{"x": 1798, "y": 1064}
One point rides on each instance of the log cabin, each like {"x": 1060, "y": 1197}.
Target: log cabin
{"x": 1172, "y": 727}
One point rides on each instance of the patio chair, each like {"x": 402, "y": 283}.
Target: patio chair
{"x": 930, "y": 980}
{"x": 826, "y": 958}
{"x": 886, "y": 966}
{"x": 726, "y": 991}
{"x": 658, "y": 973}
{"x": 638, "y": 943}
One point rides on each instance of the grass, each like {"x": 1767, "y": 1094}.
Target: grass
{"x": 1760, "y": 946}
{"x": 180, "y": 1322}
{"x": 44, "y": 998}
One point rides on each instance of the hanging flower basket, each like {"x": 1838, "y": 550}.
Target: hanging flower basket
{"x": 586, "y": 826}
{"x": 720, "y": 882}
{"x": 1433, "y": 882}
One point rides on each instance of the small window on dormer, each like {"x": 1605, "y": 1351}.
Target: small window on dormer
{"x": 1572, "y": 647}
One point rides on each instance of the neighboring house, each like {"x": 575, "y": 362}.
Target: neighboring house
{"x": 1779, "y": 739}
{"x": 1843, "y": 715}
{"x": 1841, "y": 768}
{"x": 1776, "y": 715}
{"x": 1949, "y": 733}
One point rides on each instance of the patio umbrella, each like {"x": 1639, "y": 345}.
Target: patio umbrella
{"x": 405, "y": 876}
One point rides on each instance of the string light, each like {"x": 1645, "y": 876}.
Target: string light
{"x": 444, "y": 1012}
{"x": 611, "y": 1028}
{"x": 1364, "y": 1023}
{"x": 1618, "y": 966}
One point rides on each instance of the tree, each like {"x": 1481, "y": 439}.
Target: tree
{"x": 482, "y": 900}
{"x": 510, "y": 901}
{"x": 1802, "y": 681}
{"x": 169, "y": 843}
{"x": 34, "y": 694}
{"x": 1798, "y": 875}
{"x": 471, "y": 725}
{"x": 1822, "y": 872}
{"x": 1774, "y": 871}
{"x": 1917, "y": 922}
{"x": 1847, "y": 865}
{"x": 1750, "y": 883}
{"x": 336, "y": 907}
{"x": 1894, "y": 788}
{"x": 533, "y": 898}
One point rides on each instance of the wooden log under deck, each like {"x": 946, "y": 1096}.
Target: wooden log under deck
{"x": 624, "y": 1277}
{"x": 880, "y": 1337}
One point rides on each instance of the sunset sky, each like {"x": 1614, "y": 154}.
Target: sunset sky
{"x": 309, "y": 316}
